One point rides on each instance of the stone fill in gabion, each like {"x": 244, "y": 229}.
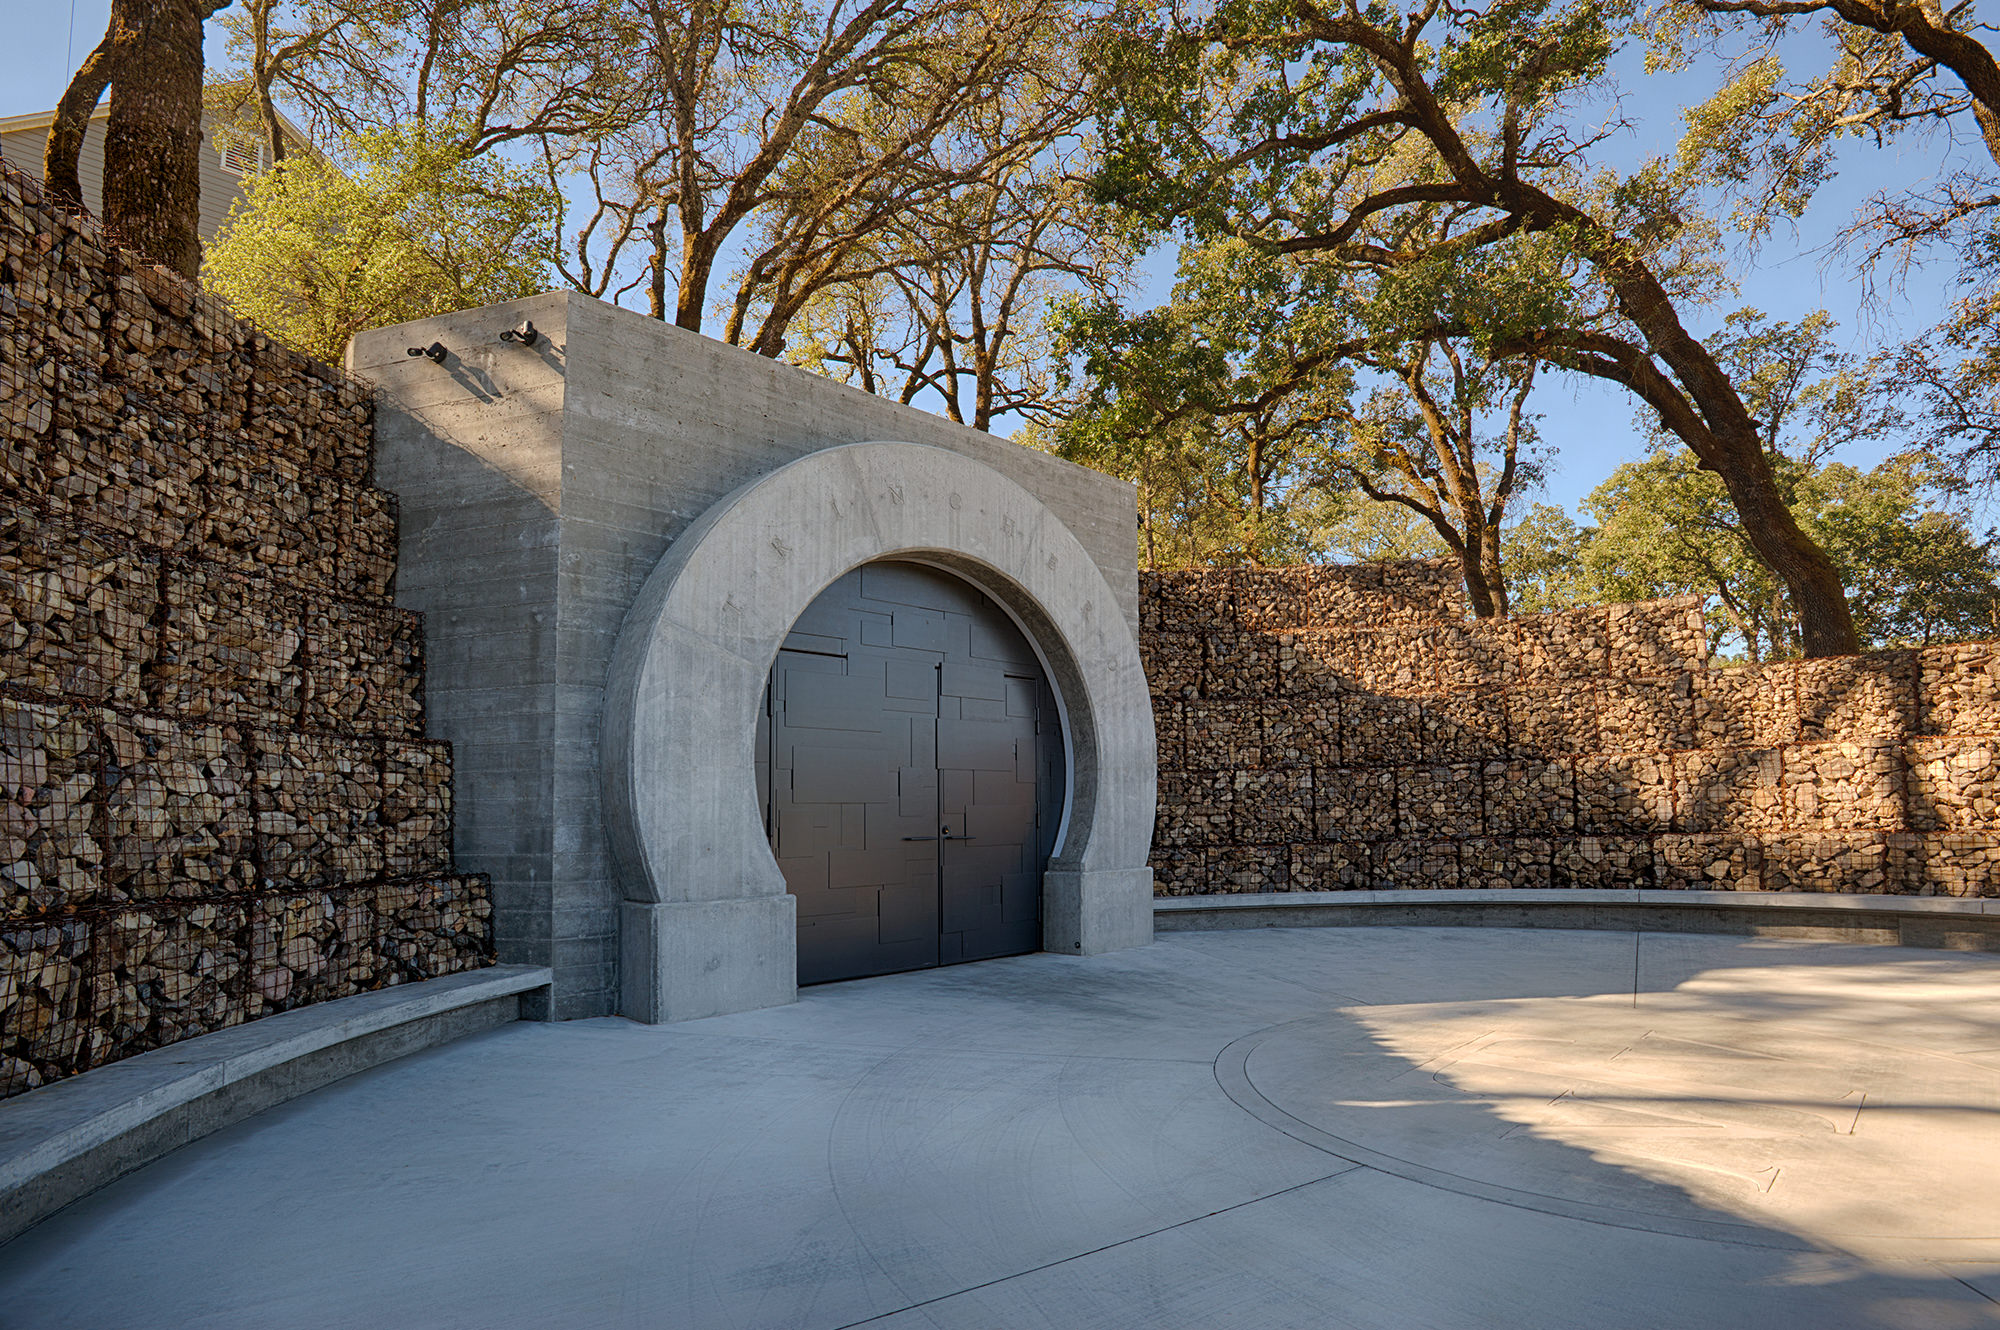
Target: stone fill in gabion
{"x": 1354, "y": 714}
{"x": 215, "y": 798}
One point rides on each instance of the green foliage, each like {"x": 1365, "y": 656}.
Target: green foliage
{"x": 1809, "y": 398}
{"x": 1425, "y": 152}
{"x": 1353, "y": 529}
{"x": 1879, "y": 69}
{"x": 1264, "y": 120}
{"x": 396, "y": 226}
{"x": 1321, "y": 390}
{"x": 1543, "y": 554}
{"x": 1201, "y": 506}
{"x": 1223, "y": 406}
{"x": 1917, "y": 571}
{"x": 1953, "y": 373}
{"x": 1728, "y": 140}
{"x": 1894, "y": 73}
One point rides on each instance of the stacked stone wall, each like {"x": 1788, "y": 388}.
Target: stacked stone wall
{"x": 1343, "y": 728}
{"x": 216, "y": 800}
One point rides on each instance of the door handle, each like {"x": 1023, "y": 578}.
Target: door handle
{"x": 921, "y": 838}
{"x": 957, "y": 838}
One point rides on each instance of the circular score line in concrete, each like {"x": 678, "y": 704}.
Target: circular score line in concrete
{"x": 1232, "y": 1073}
{"x": 1816, "y": 1134}
{"x": 1037, "y": 1141}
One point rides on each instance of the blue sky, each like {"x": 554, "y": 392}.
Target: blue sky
{"x": 1589, "y": 425}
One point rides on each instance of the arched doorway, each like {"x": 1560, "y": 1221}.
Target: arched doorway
{"x": 910, "y": 767}
{"x": 708, "y": 926}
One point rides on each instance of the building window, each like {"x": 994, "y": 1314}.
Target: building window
{"x": 242, "y": 156}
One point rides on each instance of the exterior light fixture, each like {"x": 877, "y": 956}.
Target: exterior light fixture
{"x": 525, "y": 334}
{"x": 435, "y": 352}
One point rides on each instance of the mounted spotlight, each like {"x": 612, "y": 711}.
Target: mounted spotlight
{"x": 525, "y": 334}
{"x": 435, "y": 352}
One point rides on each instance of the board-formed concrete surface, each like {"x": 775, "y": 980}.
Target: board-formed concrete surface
{"x": 539, "y": 486}
{"x": 1393, "y": 1127}
{"x": 707, "y": 924}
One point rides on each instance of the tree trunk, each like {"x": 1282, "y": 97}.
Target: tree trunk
{"x": 153, "y": 140}
{"x": 1489, "y": 568}
{"x": 697, "y": 262}
{"x": 1826, "y": 624}
{"x": 1472, "y": 565}
{"x": 151, "y": 57}
{"x": 656, "y": 275}
{"x": 72, "y": 122}
{"x": 1718, "y": 428}
{"x": 262, "y": 72}
{"x": 274, "y": 133}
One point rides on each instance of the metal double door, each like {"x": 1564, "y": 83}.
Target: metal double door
{"x": 910, "y": 764}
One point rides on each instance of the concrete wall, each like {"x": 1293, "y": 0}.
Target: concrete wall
{"x": 540, "y": 486}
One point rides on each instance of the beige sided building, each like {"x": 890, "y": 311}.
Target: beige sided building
{"x": 230, "y": 156}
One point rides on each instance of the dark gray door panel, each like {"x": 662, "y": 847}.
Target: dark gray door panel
{"x": 911, "y": 767}
{"x": 861, "y": 774}
{"x": 975, "y": 745}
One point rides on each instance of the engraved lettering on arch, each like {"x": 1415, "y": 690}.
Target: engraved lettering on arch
{"x": 896, "y": 494}
{"x": 1054, "y": 563}
{"x": 957, "y": 501}
{"x": 778, "y": 544}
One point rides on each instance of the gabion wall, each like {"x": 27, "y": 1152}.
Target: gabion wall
{"x": 1343, "y": 728}
{"x": 215, "y": 798}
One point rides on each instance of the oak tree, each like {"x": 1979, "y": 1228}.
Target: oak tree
{"x": 1663, "y": 526}
{"x": 797, "y": 137}
{"x": 1223, "y": 406}
{"x": 950, "y": 303}
{"x": 1917, "y": 74}
{"x": 1417, "y": 397}
{"x": 1345, "y": 130}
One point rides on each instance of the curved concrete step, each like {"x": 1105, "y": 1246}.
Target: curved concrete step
{"x": 1948, "y": 923}
{"x": 66, "y": 1140}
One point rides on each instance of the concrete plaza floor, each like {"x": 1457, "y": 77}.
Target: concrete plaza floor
{"x": 1313, "y": 1128}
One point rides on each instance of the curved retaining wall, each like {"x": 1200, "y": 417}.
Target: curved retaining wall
{"x": 1342, "y": 728}
{"x": 95, "y": 1127}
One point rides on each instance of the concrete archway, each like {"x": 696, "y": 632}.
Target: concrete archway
{"x": 707, "y": 926}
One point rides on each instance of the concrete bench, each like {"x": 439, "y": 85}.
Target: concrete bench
{"x": 1949, "y": 923}
{"x": 65, "y": 1140}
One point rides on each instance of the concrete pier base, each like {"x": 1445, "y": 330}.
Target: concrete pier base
{"x": 1091, "y": 912}
{"x": 683, "y": 960}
